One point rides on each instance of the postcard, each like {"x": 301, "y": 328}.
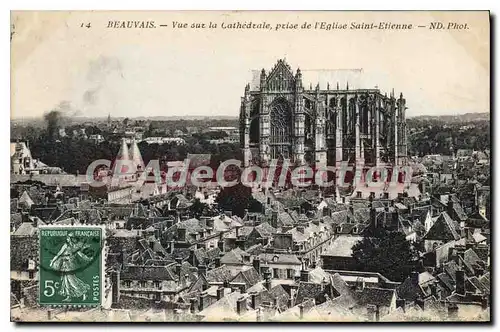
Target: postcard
{"x": 250, "y": 166}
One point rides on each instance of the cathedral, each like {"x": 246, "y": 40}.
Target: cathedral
{"x": 281, "y": 119}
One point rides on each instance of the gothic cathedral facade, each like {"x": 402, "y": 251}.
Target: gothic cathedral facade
{"x": 280, "y": 119}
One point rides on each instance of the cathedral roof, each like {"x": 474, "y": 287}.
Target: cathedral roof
{"x": 325, "y": 77}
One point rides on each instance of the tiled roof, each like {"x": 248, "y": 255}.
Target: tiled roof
{"x": 250, "y": 277}
{"x": 318, "y": 275}
{"x": 26, "y": 229}
{"x": 280, "y": 258}
{"x": 375, "y": 296}
{"x": 234, "y": 256}
{"x": 219, "y": 274}
{"x": 146, "y": 273}
{"x": 265, "y": 229}
{"x": 342, "y": 246}
{"x": 443, "y": 229}
{"x": 308, "y": 290}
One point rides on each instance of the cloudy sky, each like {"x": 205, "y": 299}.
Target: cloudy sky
{"x": 167, "y": 72}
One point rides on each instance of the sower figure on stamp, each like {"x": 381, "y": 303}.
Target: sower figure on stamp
{"x": 67, "y": 260}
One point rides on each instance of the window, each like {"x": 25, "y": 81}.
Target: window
{"x": 128, "y": 283}
{"x": 157, "y": 284}
{"x": 143, "y": 284}
{"x": 275, "y": 273}
{"x": 289, "y": 274}
{"x": 31, "y": 274}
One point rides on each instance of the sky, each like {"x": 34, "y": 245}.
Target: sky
{"x": 96, "y": 71}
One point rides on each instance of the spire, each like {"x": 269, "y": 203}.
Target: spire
{"x": 337, "y": 85}
{"x": 328, "y": 86}
{"x": 298, "y": 75}
{"x": 310, "y": 86}
{"x": 262, "y": 79}
{"x": 123, "y": 154}
{"x": 298, "y": 79}
{"x": 401, "y": 95}
{"x": 135, "y": 155}
{"x": 347, "y": 87}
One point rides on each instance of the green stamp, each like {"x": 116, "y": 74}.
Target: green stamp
{"x": 71, "y": 265}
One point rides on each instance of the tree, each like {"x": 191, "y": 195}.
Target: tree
{"x": 199, "y": 208}
{"x": 388, "y": 253}
{"x": 235, "y": 199}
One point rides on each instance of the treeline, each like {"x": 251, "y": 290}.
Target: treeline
{"x": 445, "y": 139}
{"x": 76, "y": 155}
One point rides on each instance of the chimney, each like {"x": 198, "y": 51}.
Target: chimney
{"x": 267, "y": 279}
{"x": 49, "y": 314}
{"x": 274, "y": 219}
{"x": 304, "y": 275}
{"x": 178, "y": 267}
{"x": 220, "y": 243}
{"x": 259, "y": 315}
{"x": 484, "y": 302}
{"x": 301, "y": 311}
{"x": 192, "y": 307}
{"x": 217, "y": 261}
{"x": 460, "y": 282}
{"x": 360, "y": 284}
{"x": 414, "y": 276}
{"x": 115, "y": 284}
{"x": 203, "y": 302}
{"x": 255, "y": 300}
{"x": 256, "y": 264}
{"x": 371, "y": 311}
{"x": 436, "y": 291}
{"x": 237, "y": 229}
{"x": 220, "y": 293}
{"x": 241, "y": 306}
{"x": 202, "y": 270}
{"x": 401, "y": 303}
{"x": 452, "y": 311}
{"x": 449, "y": 208}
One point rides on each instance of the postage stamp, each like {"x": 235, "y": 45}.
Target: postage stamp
{"x": 71, "y": 265}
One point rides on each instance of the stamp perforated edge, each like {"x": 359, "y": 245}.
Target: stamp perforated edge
{"x": 103, "y": 265}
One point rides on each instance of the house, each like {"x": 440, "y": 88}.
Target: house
{"x": 443, "y": 230}
{"x": 338, "y": 256}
